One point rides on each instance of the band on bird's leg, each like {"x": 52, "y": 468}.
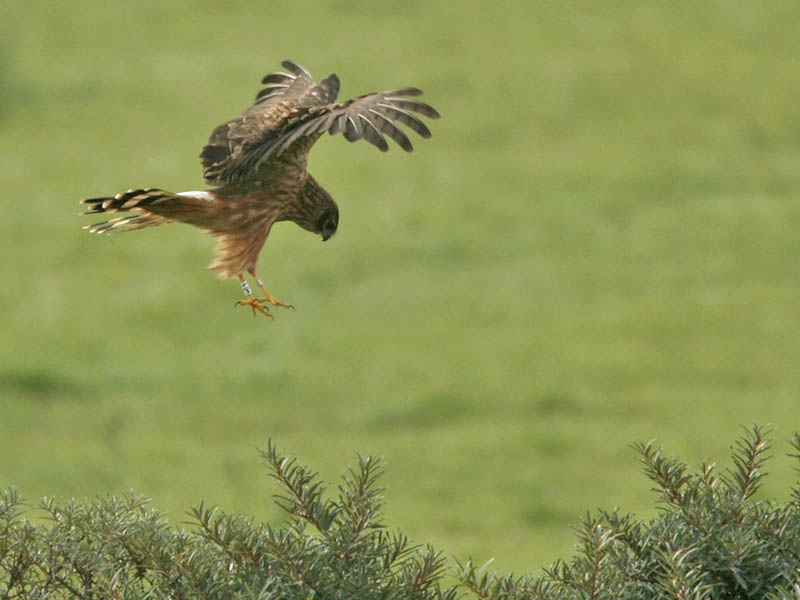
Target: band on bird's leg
{"x": 254, "y": 303}
{"x": 269, "y": 297}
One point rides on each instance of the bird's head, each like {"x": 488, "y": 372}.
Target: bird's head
{"x": 318, "y": 212}
{"x": 328, "y": 223}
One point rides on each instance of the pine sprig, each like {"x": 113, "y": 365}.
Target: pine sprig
{"x": 303, "y": 495}
{"x": 749, "y": 456}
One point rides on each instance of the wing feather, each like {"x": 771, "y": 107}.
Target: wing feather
{"x": 352, "y": 129}
{"x": 406, "y": 118}
{"x": 387, "y": 126}
{"x": 372, "y": 134}
{"x": 415, "y": 106}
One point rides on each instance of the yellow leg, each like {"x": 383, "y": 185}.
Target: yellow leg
{"x": 252, "y": 301}
{"x": 269, "y": 297}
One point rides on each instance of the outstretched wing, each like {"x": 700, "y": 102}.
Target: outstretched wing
{"x": 232, "y": 150}
{"x": 291, "y": 113}
{"x": 367, "y": 117}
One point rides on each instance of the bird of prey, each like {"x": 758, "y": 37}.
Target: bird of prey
{"x": 256, "y": 167}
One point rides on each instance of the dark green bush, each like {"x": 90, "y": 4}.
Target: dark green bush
{"x": 117, "y": 548}
{"x": 714, "y": 540}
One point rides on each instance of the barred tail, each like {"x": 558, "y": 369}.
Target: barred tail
{"x": 137, "y": 201}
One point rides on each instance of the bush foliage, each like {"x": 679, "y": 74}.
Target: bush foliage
{"x": 118, "y": 548}
{"x": 714, "y": 539}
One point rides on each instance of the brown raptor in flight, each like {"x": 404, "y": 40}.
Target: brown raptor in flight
{"x": 257, "y": 163}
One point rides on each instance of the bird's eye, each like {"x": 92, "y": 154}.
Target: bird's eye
{"x": 328, "y": 228}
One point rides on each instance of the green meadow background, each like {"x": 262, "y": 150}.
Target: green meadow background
{"x": 599, "y": 245}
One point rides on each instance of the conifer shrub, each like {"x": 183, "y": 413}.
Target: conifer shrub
{"x": 715, "y": 538}
{"x": 119, "y": 548}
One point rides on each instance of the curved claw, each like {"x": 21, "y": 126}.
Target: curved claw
{"x": 274, "y": 301}
{"x": 255, "y": 305}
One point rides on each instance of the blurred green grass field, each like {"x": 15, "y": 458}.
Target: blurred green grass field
{"x": 599, "y": 245}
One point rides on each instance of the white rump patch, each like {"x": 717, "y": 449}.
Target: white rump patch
{"x": 200, "y": 195}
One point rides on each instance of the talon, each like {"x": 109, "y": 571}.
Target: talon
{"x": 255, "y": 305}
{"x": 275, "y": 302}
